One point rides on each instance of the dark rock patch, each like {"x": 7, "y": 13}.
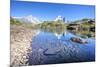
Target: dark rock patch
{"x": 78, "y": 40}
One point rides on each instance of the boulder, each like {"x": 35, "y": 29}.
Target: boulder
{"x": 78, "y": 40}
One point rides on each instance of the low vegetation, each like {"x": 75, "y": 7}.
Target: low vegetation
{"x": 19, "y": 23}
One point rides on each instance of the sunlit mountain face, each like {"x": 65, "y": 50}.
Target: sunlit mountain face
{"x": 28, "y": 19}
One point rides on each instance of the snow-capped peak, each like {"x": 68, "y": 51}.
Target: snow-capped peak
{"x": 28, "y": 19}
{"x": 58, "y": 18}
{"x": 31, "y": 19}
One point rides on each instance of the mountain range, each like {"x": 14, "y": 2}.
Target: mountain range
{"x": 28, "y": 19}
{"x": 34, "y": 20}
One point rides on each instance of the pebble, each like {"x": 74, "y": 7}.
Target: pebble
{"x": 20, "y": 44}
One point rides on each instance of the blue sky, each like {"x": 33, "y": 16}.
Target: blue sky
{"x": 49, "y": 11}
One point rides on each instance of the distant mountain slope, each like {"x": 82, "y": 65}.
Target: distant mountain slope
{"x": 84, "y": 20}
{"x": 28, "y": 19}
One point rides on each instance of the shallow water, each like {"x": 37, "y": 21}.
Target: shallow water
{"x": 52, "y": 48}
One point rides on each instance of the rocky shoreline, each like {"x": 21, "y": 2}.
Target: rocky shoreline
{"x": 20, "y": 41}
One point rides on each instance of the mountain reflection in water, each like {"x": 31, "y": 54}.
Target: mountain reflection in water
{"x": 52, "y": 47}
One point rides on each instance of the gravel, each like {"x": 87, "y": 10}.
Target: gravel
{"x": 20, "y": 40}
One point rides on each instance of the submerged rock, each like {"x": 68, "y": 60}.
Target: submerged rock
{"x": 51, "y": 51}
{"x": 78, "y": 40}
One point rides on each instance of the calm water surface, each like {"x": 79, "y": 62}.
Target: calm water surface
{"x": 52, "y": 48}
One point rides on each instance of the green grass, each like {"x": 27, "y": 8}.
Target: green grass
{"x": 15, "y": 22}
{"x": 18, "y": 23}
